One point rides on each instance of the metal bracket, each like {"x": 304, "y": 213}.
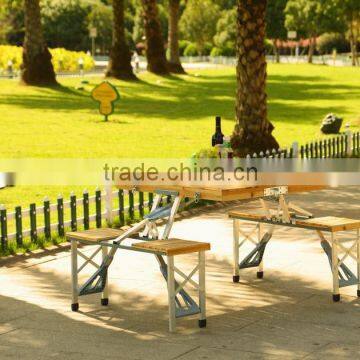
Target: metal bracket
{"x": 187, "y": 306}
{"x": 96, "y": 284}
{"x": 254, "y": 258}
{"x": 346, "y": 276}
{"x": 276, "y": 191}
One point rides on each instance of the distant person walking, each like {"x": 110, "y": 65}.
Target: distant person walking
{"x": 136, "y": 61}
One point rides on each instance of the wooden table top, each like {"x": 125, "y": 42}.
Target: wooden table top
{"x": 225, "y": 193}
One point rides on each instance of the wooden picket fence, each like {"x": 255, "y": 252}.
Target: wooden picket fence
{"x": 345, "y": 145}
{"x": 104, "y": 210}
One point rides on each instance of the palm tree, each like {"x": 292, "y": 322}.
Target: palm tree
{"x": 253, "y": 130}
{"x": 120, "y": 56}
{"x": 173, "y": 39}
{"x": 37, "y": 68}
{"x": 155, "y": 51}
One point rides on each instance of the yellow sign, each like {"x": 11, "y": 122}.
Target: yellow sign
{"x": 105, "y": 94}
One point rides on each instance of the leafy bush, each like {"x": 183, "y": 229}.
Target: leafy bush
{"x": 182, "y": 46}
{"x": 191, "y": 50}
{"x": 269, "y": 47}
{"x": 63, "y": 60}
{"x": 329, "y": 41}
{"x": 207, "y": 49}
{"x": 215, "y": 51}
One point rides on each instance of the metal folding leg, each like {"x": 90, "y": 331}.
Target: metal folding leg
{"x": 105, "y": 293}
{"x": 255, "y": 256}
{"x": 337, "y": 253}
{"x": 74, "y": 277}
{"x": 181, "y": 304}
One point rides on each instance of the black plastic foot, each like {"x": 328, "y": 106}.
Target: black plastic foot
{"x": 358, "y": 293}
{"x": 260, "y": 274}
{"x": 202, "y": 323}
{"x": 336, "y": 297}
{"x": 104, "y": 302}
{"x": 236, "y": 278}
{"x": 75, "y": 307}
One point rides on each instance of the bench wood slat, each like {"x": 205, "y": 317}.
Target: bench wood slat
{"x": 172, "y": 246}
{"x": 95, "y": 235}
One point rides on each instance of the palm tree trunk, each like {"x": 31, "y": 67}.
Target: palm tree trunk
{"x": 120, "y": 58}
{"x": 37, "y": 68}
{"x": 155, "y": 51}
{"x": 173, "y": 40}
{"x": 253, "y": 130}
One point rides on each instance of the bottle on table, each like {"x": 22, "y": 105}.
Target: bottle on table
{"x": 218, "y": 137}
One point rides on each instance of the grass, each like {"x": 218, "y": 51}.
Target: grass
{"x": 161, "y": 116}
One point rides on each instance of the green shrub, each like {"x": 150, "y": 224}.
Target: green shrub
{"x": 215, "y": 51}
{"x": 191, "y": 50}
{"x": 327, "y": 42}
{"x": 269, "y": 47}
{"x": 207, "y": 49}
{"x": 182, "y": 46}
{"x": 63, "y": 60}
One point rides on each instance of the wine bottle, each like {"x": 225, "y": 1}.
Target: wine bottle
{"x": 218, "y": 137}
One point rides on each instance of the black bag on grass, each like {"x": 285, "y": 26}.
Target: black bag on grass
{"x": 331, "y": 124}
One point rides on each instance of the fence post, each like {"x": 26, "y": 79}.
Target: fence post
{"x": 348, "y": 134}
{"x": 98, "y": 207}
{"x": 131, "y": 204}
{"x": 150, "y": 201}
{"x": 86, "y": 210}
{"x": 60, "y": 211}
{"x": 73, "y": 212}
{"x": 108, "y": 203}
{"x": 141, "y": 204}
{"x": 18, "y": 225}
{"x": 47, "y": 229}
{"x": 3, "y": 226}
{"x": 121, "y": 207}
{"x": 295, "y": 149}
{"x": 33, "y": 227}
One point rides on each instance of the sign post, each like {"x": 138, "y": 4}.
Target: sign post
{"x": 106, "y": 95}
{"x": 93, "y": 36}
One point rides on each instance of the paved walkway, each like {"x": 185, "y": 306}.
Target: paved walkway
{"x": 287, "y": 315}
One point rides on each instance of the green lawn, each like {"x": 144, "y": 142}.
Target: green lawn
{"x": 162, "y": 117}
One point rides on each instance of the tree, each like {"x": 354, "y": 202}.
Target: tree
{"x": 65, "y": 24}
{"x": 275, "y": 23}
{"x": 120, "y": 57}
{"x": 37, "y": 68}
{"x": 173, "y": 38}
{"x": 350, "y": 13}
{"x": 225, "y": 38}
{"x": 198, "y": 22}
{"x": 11, "y": 22}
{"x": 253, "y": 131}
{"x": 313, "y": 18}
{"x": 155, "y": 51}
{"x": 101, "y": 18}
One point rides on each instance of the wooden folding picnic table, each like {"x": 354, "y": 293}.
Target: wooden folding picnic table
{"x": 146, "y": 230}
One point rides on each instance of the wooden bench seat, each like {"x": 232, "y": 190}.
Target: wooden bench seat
{"x": 172, "y": 247}
{"x": 331, "y": 223}
{"x": 95, "y": 235}
{"x": 326, "y": 223}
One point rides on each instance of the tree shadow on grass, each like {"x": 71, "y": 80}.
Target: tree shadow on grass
{"x": 175, "y": 98}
